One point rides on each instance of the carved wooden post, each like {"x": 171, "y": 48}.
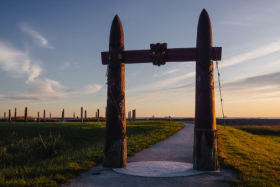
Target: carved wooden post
{"x": 38, "y": 118}
{"x": 98, "y": 115}
{"x": 115, "y": 152}
{"x": 15, "y": 113}
{"x": 205, "y": 135}
{"x": 25, "y": 114}
{"x": 10, "y": 117}
{"x": 82, "y": 119}
{"x": 44, "y": 117}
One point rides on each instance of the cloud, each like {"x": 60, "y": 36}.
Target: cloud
{"x": 20, "y": 64}
{"x": 39, "y": 39}
{"x": 161, "y": 84}
{"x": 65, "y": 66}
{"x": 166, "y": 73}
{"x": 261, "y": 86}
{"x": 249, "y": 16}
{"x": 76, "y": 65}
{"x": 35, "y": 72}
{"x": 263, "y": 80}
{"x": 243, "y": 23}
{"x": 40, "y": 90}
{"x": 262, "y": 51}
{"x": 17, "y": 62}
{"x": 90, "y": 89}
{"x": 160, "y": 95}
{"x": 174, "y": 80}
{"x": 188, "y": 85}
{"x": 136, "y": 73}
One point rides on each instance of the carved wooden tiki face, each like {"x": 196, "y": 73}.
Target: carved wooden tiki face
{"x": 159, "y": 53}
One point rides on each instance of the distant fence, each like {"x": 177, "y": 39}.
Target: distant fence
{"x": 27, "y": 118}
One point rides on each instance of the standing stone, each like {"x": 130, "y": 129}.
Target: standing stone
{"x": 44, "y": 116}
{"x": 115, "y": 152}
{"x": 98, "y": 115}
{"x": 205, "y": 155}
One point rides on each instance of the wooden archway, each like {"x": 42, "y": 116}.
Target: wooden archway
{"x": 205, "y": 134}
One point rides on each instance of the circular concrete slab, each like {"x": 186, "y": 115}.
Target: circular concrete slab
{"x": 158, "y": 169}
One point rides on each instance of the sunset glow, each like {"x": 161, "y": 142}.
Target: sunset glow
{"x": 50, "y": 56}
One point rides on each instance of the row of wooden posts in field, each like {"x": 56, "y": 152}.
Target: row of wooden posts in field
{"x": 131, "y": 115}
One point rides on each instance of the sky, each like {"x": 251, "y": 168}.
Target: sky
{"x": 50, "y": 56}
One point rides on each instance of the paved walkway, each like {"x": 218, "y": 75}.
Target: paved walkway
{"x": 178, "y": 147}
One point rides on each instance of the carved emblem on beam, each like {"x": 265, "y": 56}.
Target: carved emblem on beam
{"x": 159, "y": 53}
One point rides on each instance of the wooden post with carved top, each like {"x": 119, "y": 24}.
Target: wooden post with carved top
{"x": 205, "y": 155}
{"x": 115, "y": 152}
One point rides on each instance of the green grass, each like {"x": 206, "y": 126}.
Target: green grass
{"x": 269, "y": 131}
{"x": 253, "y": 151}
{"x": 49, "y": 154}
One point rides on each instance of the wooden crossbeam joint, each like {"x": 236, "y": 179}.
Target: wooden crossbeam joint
{"x": 159, "y": 53}
{"x": 172, "y": 55}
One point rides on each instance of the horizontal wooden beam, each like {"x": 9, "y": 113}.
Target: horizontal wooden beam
{"x": 174, "y": 55}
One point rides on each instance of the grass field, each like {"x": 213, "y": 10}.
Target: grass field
{"x": 48, "y": 154}
{"x": 253, "y": 151}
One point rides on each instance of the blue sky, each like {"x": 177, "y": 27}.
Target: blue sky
{"x": 50, "y": 55}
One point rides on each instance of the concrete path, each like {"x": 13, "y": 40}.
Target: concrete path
{"x": 178, "y": 147}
